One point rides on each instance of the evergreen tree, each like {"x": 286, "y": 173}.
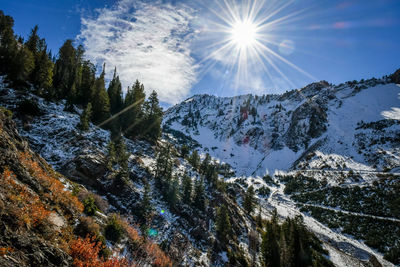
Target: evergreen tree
{"x": 115, "y": 94}
{"x": 199, "y": 198}
{"x": 205, "y": 164}
{"x": 33, "y": 41}
{"x": 173, "y": 192}
{"x": 101, "y": 102}
{"x": 85, "y": 118}
{"x": 21, "y": 66}
{"x": 249, "y": 200}
{"x": 259, "y": 217}
{"x": 163, "y": 173}
{"x": 184, "y": 151}
{"x": 122, "y": 155}
{"x": 86, "y": 90}
{"x": 146, "y": 208}
{"x": 270, "y": 247}
{"x": 65, "y": 69}
{"x": 111, "y": 155}
{"x": 8, "y": 44}
{"x": 194, "y": 159}
{"x": 43, "y": 75}
{"x": 223, "y": 224}
{"x": 153, "y": 118}
{"x": 187, "y": 188}
{"x": 135, "y": 115}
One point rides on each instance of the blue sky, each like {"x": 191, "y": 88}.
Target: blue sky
{"x": 181, "y": 48}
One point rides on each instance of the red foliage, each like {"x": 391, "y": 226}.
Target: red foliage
{"x": 57, "y": 191}
{"x": 85, "y": 253}
{"x": 27, "y": 206}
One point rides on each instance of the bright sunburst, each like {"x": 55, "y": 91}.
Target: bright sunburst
{"x": 247, "y": 39}
{"x": 244, "y": 33}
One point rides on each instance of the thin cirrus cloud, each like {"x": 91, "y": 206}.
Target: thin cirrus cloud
{"x": 149, "y": 42}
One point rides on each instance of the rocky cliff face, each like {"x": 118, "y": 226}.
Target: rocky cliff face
{"x": 259, "y": 134}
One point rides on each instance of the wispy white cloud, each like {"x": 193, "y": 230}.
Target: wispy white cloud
{"x": 149, "y": 42}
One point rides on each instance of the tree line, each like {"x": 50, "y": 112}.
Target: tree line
{"x": 71, "y": 77}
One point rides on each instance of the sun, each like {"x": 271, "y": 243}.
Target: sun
{"x": 244, "y": 34}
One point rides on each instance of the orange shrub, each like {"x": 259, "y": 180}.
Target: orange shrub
{"x": 27, "y": 207}
{"x": 5, "y": 250}
{"x": 85, "y": 253}
{"x": 57, "y": 194}
{"x": 152, "y": 250}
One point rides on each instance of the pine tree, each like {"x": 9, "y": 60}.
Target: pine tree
{"x": 194, "y": 159}
{"x": 85, "y": 118}
{"x": 21, "y": 67}
{"x": 43, "y": 75}
{"x": 223, "y": 224}
{"x": 270, "y": 246}
{"x": 134, "y": 101}
{"x": 8, "y": 44}
{"x": 249, "y": 200}
{"x": 86, "y": 90}
{"x": 65, "y": 69}
{"x": 111, "y": 155}
{"x": 146, "y": 208}
{"x": 163, "y": 173}
{"x": 33, "y": 41}
{"x": 173, "y": 192}
{"x": 115, "y": 94}
{"x": 153, "y": 118}
{"x": 199, "y": 198}
{"x": 122, "y": 155}
{"x": 187, "y": 188}
{"x": 184, "y": 150}
{"x": 205, "y": 164}
{"x": 101, "y": 102}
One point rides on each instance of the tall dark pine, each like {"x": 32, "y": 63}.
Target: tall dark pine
{"x": 270, "y": 246}
{"x": 101, "y": 102}
{"x": 115, "y": 94}
{"x": 85, "y": 91}
{"x": 187, "y": 189}
{"x": 8, "y": 44}
{"x": 249, "y": 200}
{"x": 42, "y": 74}
{"x": 199, "y": 198}
{"x": 153, "y": 118}
{"x": 223, "y": 224}
{"x": 135, "y": 114}
{"x": 65, "y": 69}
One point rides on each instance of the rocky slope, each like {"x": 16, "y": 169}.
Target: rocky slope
{"x": 44, "y": 217}
{"x": 356, "y": 122}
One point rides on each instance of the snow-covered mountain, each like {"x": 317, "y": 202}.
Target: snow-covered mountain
{"x": 355, "y": 125}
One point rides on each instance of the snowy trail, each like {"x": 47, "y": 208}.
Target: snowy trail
{"x": 287, "y": 208}
{"x": 350, "y": 212}
{"x": 346, "y": 172}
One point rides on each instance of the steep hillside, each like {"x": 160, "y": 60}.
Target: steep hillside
{"x": 46, "y": 220}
